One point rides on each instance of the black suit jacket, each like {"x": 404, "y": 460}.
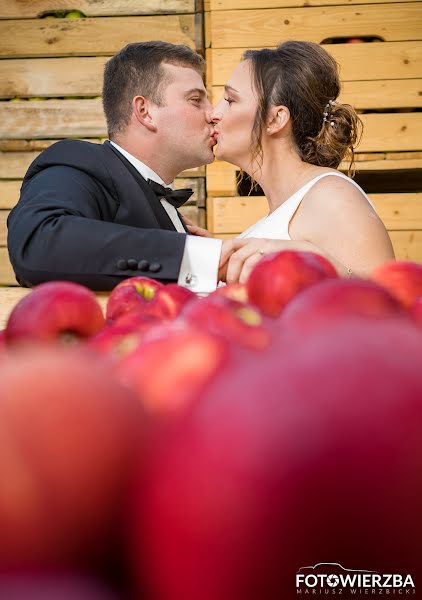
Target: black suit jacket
{"x": 85, "y": 214}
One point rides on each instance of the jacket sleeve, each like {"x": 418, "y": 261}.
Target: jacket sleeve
{"x": 62, "y": 228}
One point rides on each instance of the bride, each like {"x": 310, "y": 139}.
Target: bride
{"x": 281, "y": 123}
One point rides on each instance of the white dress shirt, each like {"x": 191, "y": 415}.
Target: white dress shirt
{"x": 201, "y": 256}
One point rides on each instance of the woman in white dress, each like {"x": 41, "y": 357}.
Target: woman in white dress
{"x": 280, "y": 122}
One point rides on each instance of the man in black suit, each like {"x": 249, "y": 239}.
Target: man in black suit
{"x": 96, "y": 214}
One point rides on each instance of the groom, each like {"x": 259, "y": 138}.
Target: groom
{"x": 96, "y": 214}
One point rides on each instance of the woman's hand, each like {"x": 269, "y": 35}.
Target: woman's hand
{"x": 195, "y": 229}
{"x": 240, "y": 255}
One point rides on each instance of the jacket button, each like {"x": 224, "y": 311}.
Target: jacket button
{"x": 122, "y": 264}
{"x": 132, "y": 264}
{"x": 155, "y": 267}
{"x": 143, "y": 265}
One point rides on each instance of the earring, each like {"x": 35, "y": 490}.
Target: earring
{"x": 268, "y": 129}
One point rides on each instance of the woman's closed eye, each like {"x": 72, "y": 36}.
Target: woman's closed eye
{"x": 229, "y": 100}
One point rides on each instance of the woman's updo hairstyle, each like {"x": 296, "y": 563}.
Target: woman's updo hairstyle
{"x": 303, "y": 77}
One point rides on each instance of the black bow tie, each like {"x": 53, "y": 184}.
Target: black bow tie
{"x": 176, "y": 197}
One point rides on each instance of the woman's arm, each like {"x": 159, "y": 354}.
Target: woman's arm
{"x": 336, "y": 218}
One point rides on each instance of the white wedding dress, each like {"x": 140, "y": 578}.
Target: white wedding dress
{"x": 276, "y": 225}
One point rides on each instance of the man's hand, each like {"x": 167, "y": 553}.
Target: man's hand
{"x": 240, "y": 255}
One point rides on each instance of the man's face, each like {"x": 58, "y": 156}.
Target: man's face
{"x": 183, "y": 119}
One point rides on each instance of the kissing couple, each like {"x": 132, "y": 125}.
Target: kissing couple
{"x": 98, "y": 213}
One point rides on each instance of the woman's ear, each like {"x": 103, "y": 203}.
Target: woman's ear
{"x": 144, "y": 113}
{"x": 278, "y": 118}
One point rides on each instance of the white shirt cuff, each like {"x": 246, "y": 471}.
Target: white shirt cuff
{"x": 199, "y": 268}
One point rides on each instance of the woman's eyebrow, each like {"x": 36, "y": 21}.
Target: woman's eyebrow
{"x": 229, "y": 88}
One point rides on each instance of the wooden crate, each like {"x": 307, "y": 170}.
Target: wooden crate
{"x": 51, "y": 68}
{"x": 382, "y": 79}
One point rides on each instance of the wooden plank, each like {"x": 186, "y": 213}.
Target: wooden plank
{"x": 391, "y": 132}
{"x": 7, "y": 275}
{"x": 367, "y": 95}
{"x": 90, "y": 37}
{"x": 47, "y": 77}
{"x": 10, "y": 296}
{"x": 9, "y": 193}
{"x": 390, "y": 93}
{"x": 248, "y": 4}
{"x": 16, "y": 9}
{"x": 13, "y": 165}
{"x": 358, "y": 62}
{"x": 398, "y": 211}
{"x": 3, "y": 227}
{"x": 407, "y": 245}
{"x": 52, "y": 118}
{"x": 263, "y": 28}
{"x": 384, "y": 164}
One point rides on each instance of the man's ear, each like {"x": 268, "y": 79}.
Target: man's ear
{"x": 143, "y": 112}
{"x": 279, "y": 116}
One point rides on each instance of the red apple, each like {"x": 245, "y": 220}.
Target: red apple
{"x": 43, "y": 586}
{"x": 334, "y": 299}
{"x": 235, "y": 291}
{"x": 313, "y": 455}
{"x": 416, "y": 311}
{"x": 70, "y": 437}
{"x": 402, "y": 278}
{"x": 171, "y": 369}
{"x": 55, "y": 311}
{"x": 170, "y": 300}
{"x": 122, "y": 336}
{"x": 132, "y": 294}
{"x": 237, "y": 321}
{"x": 277, "y": 278}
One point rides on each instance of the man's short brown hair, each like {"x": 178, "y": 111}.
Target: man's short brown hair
{"x": 137, "y": 70}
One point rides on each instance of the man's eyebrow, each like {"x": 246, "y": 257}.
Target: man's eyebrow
{"x": 229, "y": 88}
{"x": 199, "y": 91}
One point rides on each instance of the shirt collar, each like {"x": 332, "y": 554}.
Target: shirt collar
{"x": 142, "y": 168}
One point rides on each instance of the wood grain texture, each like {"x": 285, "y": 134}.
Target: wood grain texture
{"x": 263, "y": 28}
{"x": 357, "y": 62}
{"x": 261, "y": 4}
{"x": 370, "y": 95}
{"x": 225, "y": 215}
{"x": 18, "y": 9}
{"x": 50, "y": 77}
{"x": 90, "y": 37}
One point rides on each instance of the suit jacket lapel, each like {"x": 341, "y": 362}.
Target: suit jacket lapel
{"x": 160, "y": 213}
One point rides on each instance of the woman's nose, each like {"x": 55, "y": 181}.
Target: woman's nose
{"x": 216, "y": 115}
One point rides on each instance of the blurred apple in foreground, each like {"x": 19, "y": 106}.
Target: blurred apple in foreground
{"x": 52, "y": 587}
{"x": 171, "y": 369}
{"x": 132, "y": 294}
{"x": 239, "y": 322}
{"x": 70, "y": 436}
{"x": 416, "y": 311}
{"x": 313, "y": 455}
{"x": 335, "y": 299}
{"x": 277, "y": 278}
{"x": 235, "y": 291}
{"x": 402, "y": 278}
{"x": 55, "y": 311}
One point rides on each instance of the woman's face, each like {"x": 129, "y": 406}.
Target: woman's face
{"x": 234, "y": 117}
